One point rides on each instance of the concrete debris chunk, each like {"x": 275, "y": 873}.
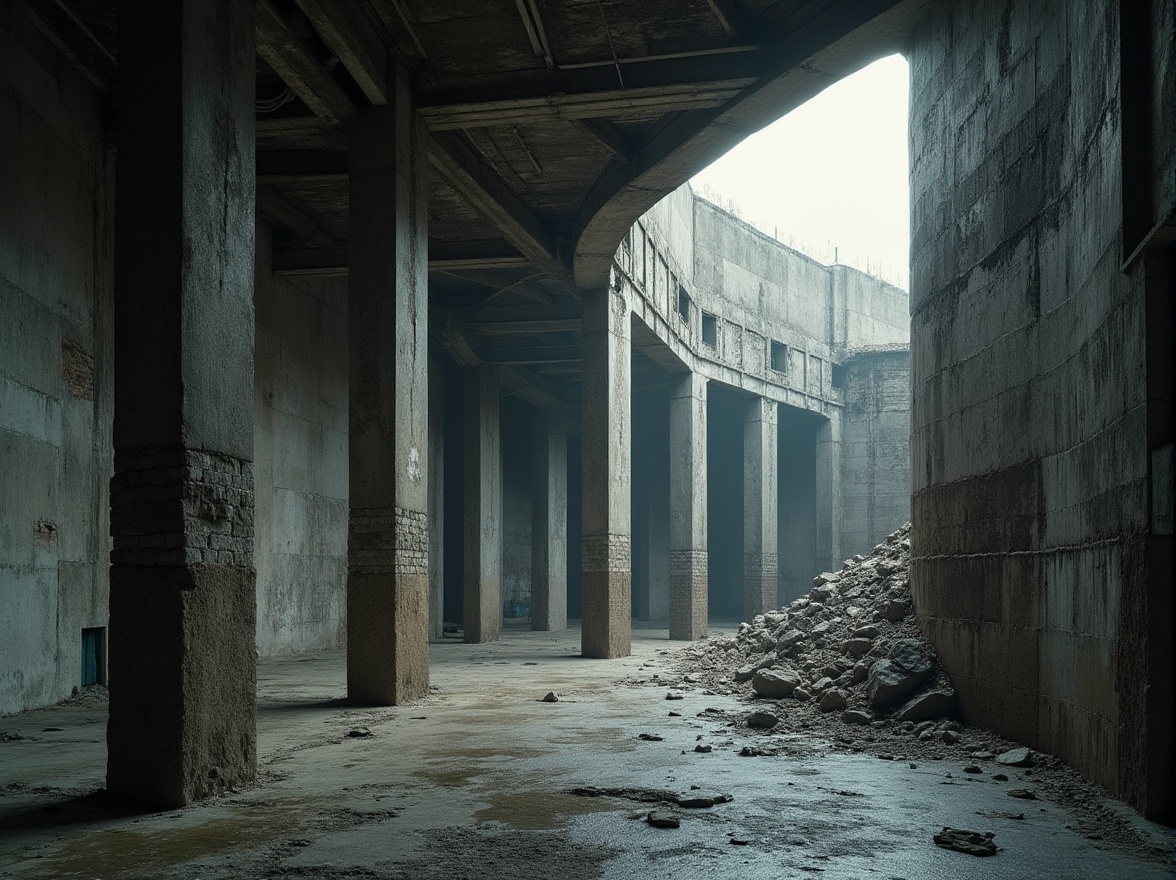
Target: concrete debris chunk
{"x": 775, "y": 684}
{"x": 930, "y": 706}
{"x": 971, "y": 842}
{"x": 1015, "y": 758}
{"x": 762, "y": 720}
{"x": 659, "y": 819}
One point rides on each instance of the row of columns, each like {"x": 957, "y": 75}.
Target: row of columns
{"x": 182, "y": 624}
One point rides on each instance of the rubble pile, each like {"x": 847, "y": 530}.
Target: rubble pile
{"x": 849, "y": 647}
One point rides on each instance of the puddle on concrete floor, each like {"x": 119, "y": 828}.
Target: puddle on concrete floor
{"x": 540, "y": 810}
{"x": 109, "y": 853}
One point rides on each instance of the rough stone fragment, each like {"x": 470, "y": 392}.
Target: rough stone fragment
{"x": 928, "y": 707}
{"x": 821, "y": 685}
{"x": 1015, "y": 758}
{"x": 825, "y": 577}
{"x": 675, "y": 695}
{"x": 659, "y": 819}
{"x": 911, "y": 663}
{"x": 855, "y": 716}
{"x": 971, "y": 842}
{"x": 833, "y": 701}
{"x": 762, "y": 720}
{"x": 895, "y": 610}
{"x": 801, "y": 695}
{"x": 857, "y": 647}
{"x": 775, "y": 683}
{"x": 550, "y": 697}
{"x": 867, "y": 632}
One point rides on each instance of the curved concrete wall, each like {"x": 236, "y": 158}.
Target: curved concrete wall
{"x": 1034, "y": 565}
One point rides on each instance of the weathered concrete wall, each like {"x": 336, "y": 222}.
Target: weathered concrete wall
{"x": 56, "y": 403}
{"x": 875, "y": 448}
{"x": 1029, "y": 465}
{"x": 300, "y": 466}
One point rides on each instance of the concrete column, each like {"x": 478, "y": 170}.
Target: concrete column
{"x": 760, "y": 562}
{"x": 549, "y": 521}
{"x": 482, "y": 574}
{"x": 606, "y": 627}
{"x": 182, "y": 582}
{"x": 436, "y": 497}
{"x": 388, "y": 540}
{"x": 688, "y": 558}
{"x": 828, "y": 466}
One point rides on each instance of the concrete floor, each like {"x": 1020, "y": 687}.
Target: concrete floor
{"x": 472, "y": 783}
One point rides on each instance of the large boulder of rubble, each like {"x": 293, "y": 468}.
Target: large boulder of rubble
{"x": 850, "y": 646}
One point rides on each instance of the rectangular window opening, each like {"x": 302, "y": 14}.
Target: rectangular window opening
{"x": 683, "y": 304}
{"x": 779, "y": 357}
{"x": 710, "y": 330}
{"x": 838, "y": 376}
{"x": 93, "y": 656}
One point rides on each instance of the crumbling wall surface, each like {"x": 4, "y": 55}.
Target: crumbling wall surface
{"x": 1029, "y": 467}
{"x": 56, "y": 204}
{"x": 300, "y": 459}
{"x": 875, "y": 448}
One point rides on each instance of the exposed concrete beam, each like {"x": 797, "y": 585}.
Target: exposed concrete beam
{"x": 456, "y": 256}
{"x": 531, "y": 354}
{"x": 294, "y": 59}
{"x": 515, "y": 328}
{"x": 275, "y": 208}
{"x": 476, "y": 111}
{"x": 443, "y": 256}
{"x": 280, "y": 166}
{"x": 310, "y": 261}
{"x": 523, "y": 383}
{"x": 454, "y": 159}
{"x": 610, "y": 137}
{"x": 347, "y": 33}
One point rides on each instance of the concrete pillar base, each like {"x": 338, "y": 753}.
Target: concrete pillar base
{"x": 688, "y": 594}
{"x": 760, "y": 576}
{"x": 607, "y": 628}
{"x": 387, "y": 607}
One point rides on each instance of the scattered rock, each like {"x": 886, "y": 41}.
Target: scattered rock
{"x": 999, "y": 777}
{"x": 971, "y": 842}
{"x": 972, "y": 768}
{"x": 549, "y": 697}
{"x": 950, "y": 737}
{"x": 775, "y": 684}
{"x": 675, "y": 695}
{"x": 762, "y": 720}
{"x": 1015, "y": 758}
{"x": 801, "y": 694}
{"x": 895, "y": 610}
{"x": 833, "y": 701}
{"x": 358, "y": 732}
{"x": 1024, "y": 794}
{"x": 659, "y": 819}
{"x": 856, "y": 647}
{"x": 855, "y": 716}
{"x": 650, "y": 737}
{"x": 910, "y": 664}
{"x": 702, "y": 750}
{"x": 930, "y": 706}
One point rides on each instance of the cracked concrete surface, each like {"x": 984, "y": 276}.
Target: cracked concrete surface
{"x": 474, "y": 780}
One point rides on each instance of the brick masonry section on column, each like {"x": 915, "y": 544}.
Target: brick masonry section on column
{"x": 388, "y": 540}
{"x": 688, "y": 562}
{"x": 759, "y": 583}
{"x": 607, "y": 553}
{"x": 181, "y": 507}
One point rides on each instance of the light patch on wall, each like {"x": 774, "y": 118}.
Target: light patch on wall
{"x": 77, "y": 369}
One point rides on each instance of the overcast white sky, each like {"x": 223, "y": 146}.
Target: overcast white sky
{"x": 832, "y": 173}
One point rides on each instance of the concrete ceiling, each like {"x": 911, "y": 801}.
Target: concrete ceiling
{"x": 552, "y": 127}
